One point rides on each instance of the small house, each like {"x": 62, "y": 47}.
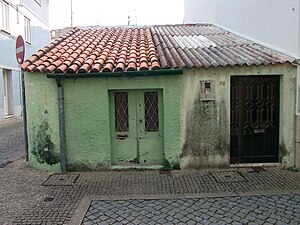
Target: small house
{"x": 194, "y": 95}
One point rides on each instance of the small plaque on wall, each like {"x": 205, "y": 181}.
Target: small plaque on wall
{"x": 207, "y": 90}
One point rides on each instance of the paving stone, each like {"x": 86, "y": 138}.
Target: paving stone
{"x": 11, "y": 141}
{"x": 22, "y": 195}
{"x": 213, "y": 219}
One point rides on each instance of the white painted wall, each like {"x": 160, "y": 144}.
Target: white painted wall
{"x": 273, "y": 23}
{"x": 1, "y": 96}
{"x": 40, "y": 36}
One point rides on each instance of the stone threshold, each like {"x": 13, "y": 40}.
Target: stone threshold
{"x": 84, "y": 204}
{"x": 245, "y": 165}
{"x": 136, "y": 166}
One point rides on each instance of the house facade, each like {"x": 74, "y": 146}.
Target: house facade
{"x": 272, "y": 23}
{"x": 131, "y": 97}
{"x": 29, "y": 18}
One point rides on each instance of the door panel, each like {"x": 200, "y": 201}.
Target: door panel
{"x": 254, "y": 119}
{"x": 136, "y": 119}
{"x": 150, "y": 131}
{"x": 6, "y": 93}
{"x": 124, "y": 128}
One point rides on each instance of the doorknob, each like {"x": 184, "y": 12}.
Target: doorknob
{"x": 140, "y": 120}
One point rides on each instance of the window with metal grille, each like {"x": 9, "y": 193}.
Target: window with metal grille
{"x": 121, "y": 112}
{"x": 151, "y": 111}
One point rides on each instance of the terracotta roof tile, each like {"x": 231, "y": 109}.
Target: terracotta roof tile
{"x": 117, "y": 49}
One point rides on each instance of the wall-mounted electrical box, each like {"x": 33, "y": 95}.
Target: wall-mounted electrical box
{"x": 207, "y": 90}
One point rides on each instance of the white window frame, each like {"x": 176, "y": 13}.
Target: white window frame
{"x": 4, "y": 25}
{"x": 27, "y": 36}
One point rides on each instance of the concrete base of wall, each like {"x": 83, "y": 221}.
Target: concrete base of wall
{"x": 204, "y": 162}
{"x": 297, "y": 152}
{"x": 2, "y": 117}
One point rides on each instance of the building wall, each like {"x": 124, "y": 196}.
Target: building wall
{"x": 275, "y": 23}
{"x": 88, "y": 142}
{"x": 205, "y": 134}
{"x": 39, "y": 37}
{"x": 1, "y": 97}
{"x": 40, "y": 10}
{"x": 196, "y": 133}
{"x": 42, "y": 117}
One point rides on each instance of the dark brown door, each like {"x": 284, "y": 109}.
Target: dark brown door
{"x": 254, "y": 119}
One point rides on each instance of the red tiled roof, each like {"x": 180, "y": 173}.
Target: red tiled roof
{"x": 206, "y": 45}
{"x": 119, "y": 49}
{"x": 97, "y": 50}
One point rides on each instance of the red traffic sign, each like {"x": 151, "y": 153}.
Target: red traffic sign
{"x": 20, "y": 49}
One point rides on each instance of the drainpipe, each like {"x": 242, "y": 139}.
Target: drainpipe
{"x": 24, "y": 114}
{"x": 61, "y": 114}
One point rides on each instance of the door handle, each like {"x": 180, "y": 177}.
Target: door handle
{"x": 140, "y": 120}
{"x": 122, "y": 136}
{"x": 259, "y": 131}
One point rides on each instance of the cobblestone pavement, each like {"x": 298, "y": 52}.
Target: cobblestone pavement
{"x": 11, "y": 141}
{"x": 282, "y": 209}
{"x": 25, "y": 200}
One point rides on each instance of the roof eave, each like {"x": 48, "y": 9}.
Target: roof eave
{"x": 176, "y": 71}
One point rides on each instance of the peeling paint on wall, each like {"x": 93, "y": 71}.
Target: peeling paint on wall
{"x": 43, "y": 147}
{"x": 206, "y": 142}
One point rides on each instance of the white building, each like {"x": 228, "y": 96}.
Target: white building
{"x": 29, "y": 18}
{"x": 274, "y": 23}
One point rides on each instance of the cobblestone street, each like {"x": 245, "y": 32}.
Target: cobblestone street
{"x": 31, "y": 197}
{"x": 232, "y": 196}
{"x": 281, "y": 209}
{"x": 11, "y": 141}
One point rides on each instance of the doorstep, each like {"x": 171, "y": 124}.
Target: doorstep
{"x": 136, "y": 166}
{"x": 240, "y": 165}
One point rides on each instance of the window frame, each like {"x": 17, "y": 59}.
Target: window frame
{"x": 4, "y": 16}
{"x": 27, "y": 30}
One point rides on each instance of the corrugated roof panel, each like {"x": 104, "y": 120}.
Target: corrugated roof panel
{"x": 194, "y": 41}
{"x": 182, "y": 42}
{"x": 193, "y": 58}
{"x": 208, "y": 45}
{"x": 205, "y": 41}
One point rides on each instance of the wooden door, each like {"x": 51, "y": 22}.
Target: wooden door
{"x": 137, "y": 127}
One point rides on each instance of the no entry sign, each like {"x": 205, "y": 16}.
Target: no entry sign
{"x": 20, "y": 49}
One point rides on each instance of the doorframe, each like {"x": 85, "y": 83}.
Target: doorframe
{"x": 8, "y": 90}
{"x": 279, "y": 128}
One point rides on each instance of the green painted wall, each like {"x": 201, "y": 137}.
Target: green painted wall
{"x": 88, "y": 141}
{"x": 205, "y": 126}
{"x": 196, "y": 133}
{"x": 88, "y": 138}
{"x": 42, "y": 118}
